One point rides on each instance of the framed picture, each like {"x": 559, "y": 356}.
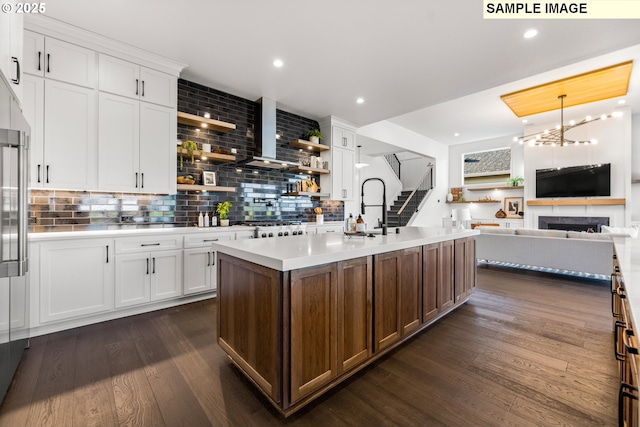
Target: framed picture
{"x": 209, "y": 178}
{"x": 513, "y": 205}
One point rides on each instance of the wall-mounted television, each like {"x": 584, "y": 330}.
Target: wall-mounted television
{"x": 574, "y": 181}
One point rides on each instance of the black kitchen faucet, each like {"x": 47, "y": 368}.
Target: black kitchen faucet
{"x": 383, "y": 205}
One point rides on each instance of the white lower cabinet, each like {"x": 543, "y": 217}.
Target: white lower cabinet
{"x": 75, "y": 278}
{"x": 200, "y": 261}
{"x": 147, "y": 276}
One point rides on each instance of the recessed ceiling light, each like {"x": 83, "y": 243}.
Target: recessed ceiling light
{"x": 456, "y": 134}
{"x": 530, "y": 33}
{"x": 278, "y": 63}
{"x": 524, "y": 120}
{"x": 360, "y": 100}
{"x": 622, "y": 101}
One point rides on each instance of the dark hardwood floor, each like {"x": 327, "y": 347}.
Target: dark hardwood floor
{"x": 528, "y": 349}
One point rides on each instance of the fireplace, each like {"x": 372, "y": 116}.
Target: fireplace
{"x": 590, "y": 224}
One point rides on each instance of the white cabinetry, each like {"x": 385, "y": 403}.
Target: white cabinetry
{"x": 340, "y": 181}
{"x": 11, "y": 61}
{"x": 200, "y": 262}
{"x": 136, "y": 146}
{"x": 325, "y": 228}
{"x": 133, "y": 81}
{"x": 75, "y": 278}
{"x": 55, "y": 59}
{"x": 147, "y": 269}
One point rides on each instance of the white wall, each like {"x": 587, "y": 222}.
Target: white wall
{"x": 412, "y": 171}
{"x": 485, "y": 211}
{"x": 614, "y": 146}
{"x": 434, "y": 208}
{"x": 635, "y": 168}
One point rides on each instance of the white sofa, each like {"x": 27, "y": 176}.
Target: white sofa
{"x": 567, "y": 251}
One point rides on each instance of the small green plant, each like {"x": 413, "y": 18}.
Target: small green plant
{"x": 314, "y": 132}
{"x": 515, "y": 181}
{"x": 223, "y": 209}
{"x": 190, "y": 146}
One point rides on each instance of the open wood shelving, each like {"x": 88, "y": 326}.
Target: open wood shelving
{"x": 308, "y": 145}
{"x": 204, "y": 123}
{"x": 209, "y": 188}
{"x": 499, "y": 187}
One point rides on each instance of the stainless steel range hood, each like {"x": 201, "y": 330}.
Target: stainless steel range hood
{"x": 266, "y": 138}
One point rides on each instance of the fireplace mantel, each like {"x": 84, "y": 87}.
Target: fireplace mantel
{"x": 574, "y": 202}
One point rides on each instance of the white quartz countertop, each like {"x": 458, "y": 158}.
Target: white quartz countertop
{"x": 628, "y": 252}
{"x": 140, "y": 232}
{"x": 293, "y": 252}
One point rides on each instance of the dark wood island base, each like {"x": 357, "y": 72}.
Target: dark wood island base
{"x": 296, "y": 334}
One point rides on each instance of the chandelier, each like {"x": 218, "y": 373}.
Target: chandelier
{"x": 557, "y": 136}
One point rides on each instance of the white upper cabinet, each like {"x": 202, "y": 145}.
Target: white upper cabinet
{"x": 55, "y": 59}
{"x": 343, "y": 138}
{"x": 134, "y": 81}
{"x": 341, "y": 180}
{"x": 11, "y": 62}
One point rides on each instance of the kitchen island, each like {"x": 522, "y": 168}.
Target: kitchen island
{"x": 299, "y": 315}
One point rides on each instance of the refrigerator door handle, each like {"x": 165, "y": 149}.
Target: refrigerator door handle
{"x": 23, "y": 203}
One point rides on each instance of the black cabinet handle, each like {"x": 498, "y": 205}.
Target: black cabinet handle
{"x": 621, "y": 396}
{"x": 39, "y": 55}
{"x": 17, "y": 79}
{"x": 143, "y": 88}
{"x": 618, "y": 325}
{"x": 48, "y": 62}
{"x": 213, "y": 258}
{"x": 107, "y": 254}
{"x": 142, "y": 180}
{"x": 154, "y": 265}
{"x": 137, "y": 86}
{"x": 136, "y": 179}
{"x": 626, "y": 338}
{"x": 149, "y": 244}
{"x": 210, "y": 240}
{"x": 147, "y": 265}
{"x": 47, "y": 180}
{"x": 208, "y": 259}
{"x": 38, "y": 173}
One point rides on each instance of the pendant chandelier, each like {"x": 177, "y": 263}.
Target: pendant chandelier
{"x": 557, "y": 136}
{"x": 359, "y": 163}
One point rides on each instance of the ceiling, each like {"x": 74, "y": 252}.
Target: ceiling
{"x": 434, "y": 67}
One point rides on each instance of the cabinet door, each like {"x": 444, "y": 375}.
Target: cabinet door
{"x": 11, "y": 47}
{"x": 430, "y": 278}
{"x": 157, "y": 149}
{"x": 166, "y": 274}
{"x": 342, "y": 138}
{"x": 459, "y": 269}
{"x": 70, "y": 136}
{"x": 119, "y": 77}
{"x": 158, "y": 87}
{"x": 386, "y": 299}
{"x": 470, "y": 265}
{"x": 410, "y": 286}
{"x": 354, "y": 312}
{"x": 118, "y": 143}
{"x": 198, "y": 270}
{"x": 69, "y": 63}
{"x": 33, "y": 110}
{"x": 76, "y": 278}
{"x": 133, "y": 279}
{"x": 342, "y": 174}
{"x": 445, "y": 280}
{"x": 313, "y": 329}
{"x": 33, "y": 53}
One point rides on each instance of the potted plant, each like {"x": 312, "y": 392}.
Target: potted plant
{"x": 514, "y": 182}
{"x": 190, "y": 146}
{"x": 314, "y": 135}
{"x": 223, "y": 210}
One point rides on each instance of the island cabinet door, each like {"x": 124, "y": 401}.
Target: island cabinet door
{"x": 430, "y": 278}
{"x": 249, "y": 321}
{"x": 397, "y": 295}
{"x": 459, "y": 275}
{"x": 445, "y": 279}
{"x": 354, "y": 312}
{"x": 313, "y": 329}
{"x": 470, "y": 264}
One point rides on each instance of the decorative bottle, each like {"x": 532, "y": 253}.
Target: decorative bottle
{"x": 200, "y": 220}
{"x": 206, "y": 219}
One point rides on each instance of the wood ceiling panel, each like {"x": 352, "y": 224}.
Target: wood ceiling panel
{"x": 596, "y": 85}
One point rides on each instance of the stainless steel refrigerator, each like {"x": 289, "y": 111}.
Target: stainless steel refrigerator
{"x": 14, "y": 162}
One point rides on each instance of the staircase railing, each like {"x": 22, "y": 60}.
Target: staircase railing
{"x": 413, "y": 201}
{"x": 394, "y": 162}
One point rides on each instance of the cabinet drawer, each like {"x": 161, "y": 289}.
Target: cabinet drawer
{"x": 202, "y": 240}
{"x": 127, "y": 245}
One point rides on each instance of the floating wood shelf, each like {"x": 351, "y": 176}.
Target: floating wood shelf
{"x": 635, "y": 181}
{"x": 215, "y": 157}
{"x": 201, "y": 122}
{"x": 308, "y": 145}
{"x": 504, "y": 187}
{"x": 210, "y": 188}
{"x": 572, "y": 202}
{"x": 312, "y": 171}
{"x": 478, "y": 201}
{"x": 306, "y": 193}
